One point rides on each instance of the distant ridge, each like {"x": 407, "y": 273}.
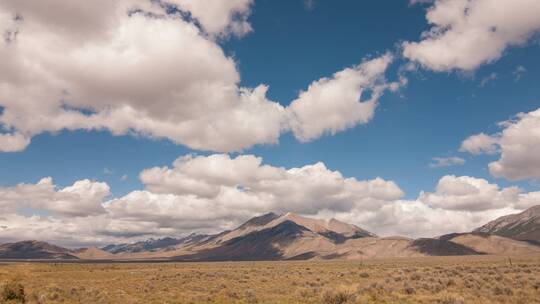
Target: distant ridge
{"x": 34, "y": 250}
{"x": 150, "y": 245}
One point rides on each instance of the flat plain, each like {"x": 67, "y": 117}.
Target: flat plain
{"x": 473, "y": 279}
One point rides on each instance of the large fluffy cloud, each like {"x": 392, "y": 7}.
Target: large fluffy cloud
{"x": 477, "y": 195}
{"x": 244, "y": 183}
{"x": 83, "y": 198}
{"x": 517, "y": 144}
{"x": 128, "y": 67}
{"x": 469, "y": 193}
{"x": 468, "y": 33}
{"x": 155, "y": 68}
{"x": 334, "y": 104}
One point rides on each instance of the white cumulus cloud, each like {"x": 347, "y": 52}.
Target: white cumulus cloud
{"x": 465, "y": 34}
{"x": 480, "y": 144}
{"x": 245, "y": 183}
{"x": 83, "y": 198}
{"x": 346, "y": 99}
{"x": 517, "y": 144}
{"x": 469, "y": 194}
{"x": 13, "y": 142}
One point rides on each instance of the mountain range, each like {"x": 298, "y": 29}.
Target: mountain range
{"x": 293, "y": 237}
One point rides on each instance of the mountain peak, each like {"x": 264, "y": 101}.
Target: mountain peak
{"x": 260, "y": 220}
{"x": 323, "y": 225}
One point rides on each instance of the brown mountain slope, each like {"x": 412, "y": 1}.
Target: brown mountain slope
{"x": 34, "y": 250}
{"x": 493, "y": 244}
{"x": 283, "y": 241}
{"x": 523, "y": 226}
{"x": 371, "y": 248}
{"x": 331, "y": 228}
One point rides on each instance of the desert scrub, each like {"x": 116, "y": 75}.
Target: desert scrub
{"x": 300, "y": 282}
{"x": 13, "y": 292}
{"x": 407, "y": 289}
{"x": 451, "y": 299}
{"x": 341, "y": 297}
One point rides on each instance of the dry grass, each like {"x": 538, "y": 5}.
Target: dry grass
{"x": 422, "y": 280}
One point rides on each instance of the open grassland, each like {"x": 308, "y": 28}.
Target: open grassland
{"x": 421, "y": 280}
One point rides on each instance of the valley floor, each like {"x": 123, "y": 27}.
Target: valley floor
{"x": 472, "y": 279}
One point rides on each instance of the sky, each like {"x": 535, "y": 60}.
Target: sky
{"x": 137, "y": 119}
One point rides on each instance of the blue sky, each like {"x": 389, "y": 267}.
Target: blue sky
{"x": 58, "y": 119}
{"x": 290, "y": 47}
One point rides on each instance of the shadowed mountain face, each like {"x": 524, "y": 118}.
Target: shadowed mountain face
{"x": 34, "y": 250}
{"x": 442, "y": 247}
{"x": 524, "y": 226}
{"x": 258, "y": 245}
